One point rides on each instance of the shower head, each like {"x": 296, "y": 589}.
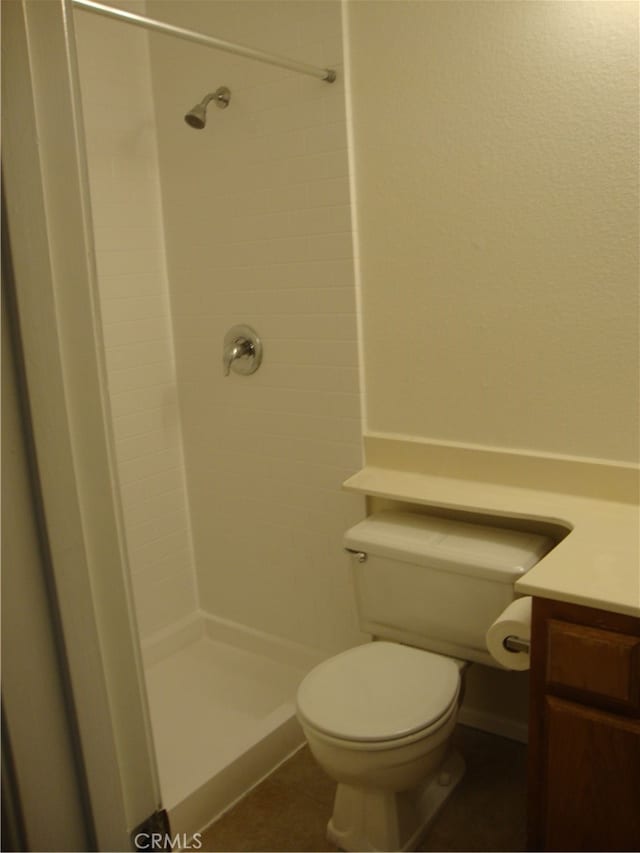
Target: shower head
{"x": 197, "y": 117}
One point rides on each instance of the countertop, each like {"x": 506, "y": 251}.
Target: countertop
{"x": 596, "y": 564}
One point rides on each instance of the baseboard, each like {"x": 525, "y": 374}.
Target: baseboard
{"x": 494, "y": 724}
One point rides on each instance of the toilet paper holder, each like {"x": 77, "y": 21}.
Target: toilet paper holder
{"x": 516, "y": 644}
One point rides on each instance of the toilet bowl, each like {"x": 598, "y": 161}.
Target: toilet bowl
{"x": 378, "y": 718}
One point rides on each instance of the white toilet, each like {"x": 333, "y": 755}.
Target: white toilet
{"x": 378, "y": 717}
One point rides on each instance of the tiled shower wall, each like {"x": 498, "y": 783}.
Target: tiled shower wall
{"x": 258, "y": 231}
{"x": 123, "y": 173}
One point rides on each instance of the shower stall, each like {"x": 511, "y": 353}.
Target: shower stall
{"x": 229, "y": 484}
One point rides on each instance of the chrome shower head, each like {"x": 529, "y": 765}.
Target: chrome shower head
{"x": 197, "y": 117}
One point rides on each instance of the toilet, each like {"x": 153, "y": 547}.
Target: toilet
{"x": 379, "y": 717}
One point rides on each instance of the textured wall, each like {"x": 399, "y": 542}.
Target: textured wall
{"x": 125, "y": 200}
{"x": 258, "y": 231}
{"x": 496, "y": 180}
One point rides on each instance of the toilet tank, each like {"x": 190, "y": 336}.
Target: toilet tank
{"x": 437, "y": 583}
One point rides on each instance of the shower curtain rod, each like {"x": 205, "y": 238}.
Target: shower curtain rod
{"x": 326, "y": 74}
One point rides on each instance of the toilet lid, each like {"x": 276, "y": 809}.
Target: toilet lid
{"x": 379, "y": 691}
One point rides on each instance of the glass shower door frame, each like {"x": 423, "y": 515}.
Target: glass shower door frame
{"x": 46, "y": 190}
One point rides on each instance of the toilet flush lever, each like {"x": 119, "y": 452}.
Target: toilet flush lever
{"x": 241, "y": 351}
{"x": 360, "y": 556}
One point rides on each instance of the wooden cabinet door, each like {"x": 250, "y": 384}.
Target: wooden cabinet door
{"x": 592, "y": 797}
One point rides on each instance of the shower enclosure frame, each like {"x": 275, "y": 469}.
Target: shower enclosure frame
{"x": 48, "y": 213}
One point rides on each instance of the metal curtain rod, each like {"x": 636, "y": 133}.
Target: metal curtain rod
{"x": 326, "y": 74}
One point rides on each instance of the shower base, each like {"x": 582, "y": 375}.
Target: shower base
{"x": 221, "y": 700}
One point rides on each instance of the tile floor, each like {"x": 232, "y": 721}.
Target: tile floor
{"x": 289, "y": 810}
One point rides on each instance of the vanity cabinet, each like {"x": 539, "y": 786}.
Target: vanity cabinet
{"x": 584, "y": 729}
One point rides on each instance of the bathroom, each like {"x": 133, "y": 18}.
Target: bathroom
{"x": 439, "y": 254}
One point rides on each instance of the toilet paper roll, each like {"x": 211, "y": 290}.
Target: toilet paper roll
{"x": 514, "y": 621}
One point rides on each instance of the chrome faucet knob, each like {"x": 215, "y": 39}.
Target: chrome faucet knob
{"x": 242, "y": 351}
{"x": 241, "y": 347}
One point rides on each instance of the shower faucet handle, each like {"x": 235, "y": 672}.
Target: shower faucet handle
{"x": 240, "y": 348}
{"x": 242, "y": 351}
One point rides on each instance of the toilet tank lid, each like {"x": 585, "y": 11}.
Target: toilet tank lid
{"x": 451, "y": 545}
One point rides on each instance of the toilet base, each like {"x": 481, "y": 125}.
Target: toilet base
{"x": 365, "y": 819}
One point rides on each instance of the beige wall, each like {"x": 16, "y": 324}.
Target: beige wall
{"x": 496, "y": 180}
{"x": 125, "y": 199}
{"x": 258, "y": 231}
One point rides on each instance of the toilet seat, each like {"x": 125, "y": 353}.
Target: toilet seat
{"x": 379, "y": 692}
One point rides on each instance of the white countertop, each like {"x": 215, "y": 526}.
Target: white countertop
{"x": 597, "y": 564}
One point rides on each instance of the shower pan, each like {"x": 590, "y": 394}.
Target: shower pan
{"x": 230, "y": 484}
{"x": 221, "y": 703}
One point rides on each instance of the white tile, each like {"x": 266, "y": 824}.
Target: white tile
{"x": 330, "y": 247}
{"x": 146, "y": 444}
{"x": 258, "y": 220}
{"x": 171, "y": 566}
{"x": 134, "y": 331}
{"x": 132, "y": 378}
{"x": 327, "y": 327}
{"x": 169, "y": 544}
{"x": 142, "y": 284}
{"x": 290, "y": 301}
{"x": 160, "y": 605}
{"x": 128, "y": 262}
{"x": 327, "y": 353}
{"x": 138, "y": 353}
{"x": 129, "y": 309}
{"x": 332, "y": 191}
{"x": 113, "y": 236}
{"x": 292, "y": 429}
{"x": 149, "y": 488}
{"x": 162, "y": 506}
{"x": 142, "y": 532}
{"x": 149, "y": 465}
{"x": 154, "y": 397}
{"x": 140, "y": 423}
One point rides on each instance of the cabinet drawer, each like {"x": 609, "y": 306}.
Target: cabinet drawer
{"x": 598, "y": 663}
